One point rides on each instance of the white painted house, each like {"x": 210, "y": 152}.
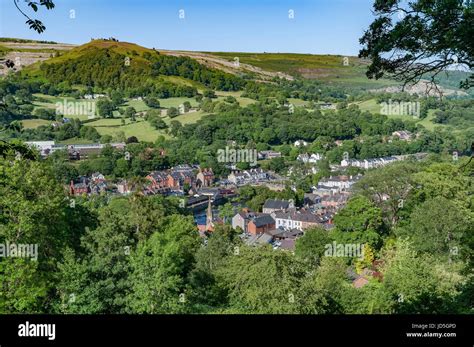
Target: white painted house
{"x": 300, "y": 143}
{"x": 368, "y": 163}
{"x": 310, "y": 158}
{"x": 293, "y": 219}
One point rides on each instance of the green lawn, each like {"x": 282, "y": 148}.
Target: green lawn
{"x": 175, "y": 102}
{"x": 221, "y": 95}
{"x": 428, "y": 121}
{"x": 369, "y": 105}
{"x": 34, "y": 123}
{"x": 108, "y": 122}
{"x": 190, "y": 117}
{"x": 372, "y": 106}
{"x": 298, "y": 102}
{"x": 48, "y": 101}
{"x": 138, "y": 105}
{"x": 141, "y": 129}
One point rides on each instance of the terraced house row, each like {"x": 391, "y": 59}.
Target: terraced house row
{"x": 180, "y": 177}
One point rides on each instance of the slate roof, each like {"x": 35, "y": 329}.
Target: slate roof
{"x": 275, "y": 232}
{"x": 175, "y": 175}
{"x": 288, "y": 244}
{"x": 263, "y": 219}
{"x": 276, "y": 204}
{"x": 292, "y": 234}
{"x": 158, "y": 175}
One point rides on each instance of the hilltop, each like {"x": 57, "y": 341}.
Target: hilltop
{"x": 259, "y": 66}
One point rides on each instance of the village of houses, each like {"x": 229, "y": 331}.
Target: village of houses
{"x": 280, "y": 222}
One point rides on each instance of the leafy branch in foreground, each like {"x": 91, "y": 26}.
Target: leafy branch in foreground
{"x": 35, "y": 24}
{"x": 429, "y": 37}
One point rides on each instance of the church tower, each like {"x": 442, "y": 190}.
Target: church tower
{"x": 209, "y": 217}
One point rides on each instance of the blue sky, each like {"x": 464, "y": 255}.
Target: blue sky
{"x": 318, "y": 26}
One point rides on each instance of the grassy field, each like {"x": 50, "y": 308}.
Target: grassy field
{"x": 335, "y": 68}
{"x": 428, "y": 121}
{"x": 49, "y": 102}
{"x": 187, "y": 118}
{"x": 369, "y": 105}
{"x": 175, "y": 102}
{"x": 138, "y": 105}
{"x": 34, "y": 123}
{"x": 113, "y": 126}
{"x": 221, "y": 95}
{"x": 298, "y": 102}
{"x": 108, "y": 122}
{"x": 141, "y": 129}
{"x": 308, "y": 65}
{"x": 291, "y": 62}
{"x": 372, "y": 107}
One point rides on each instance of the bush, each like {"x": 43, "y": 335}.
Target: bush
{"x": 172, "y": 112}
{"x": 152, "y": 102}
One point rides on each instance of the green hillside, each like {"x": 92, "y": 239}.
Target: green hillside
{"x": 330, "y": 68}
{"x": 218, "y": 74}
{"x": 306, "y": 65}
{"x": 129, "y": 67}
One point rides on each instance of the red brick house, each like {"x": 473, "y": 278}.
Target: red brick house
{"x": 173, "y": 180}
{"x": 187, "y": 177}
{"x": 205, "y": 178}
{"x": 177, "y": 179}
{"x": 78, "y": 188}
{"x": 261, "y": 224}
{"x": 157, "y": 179}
